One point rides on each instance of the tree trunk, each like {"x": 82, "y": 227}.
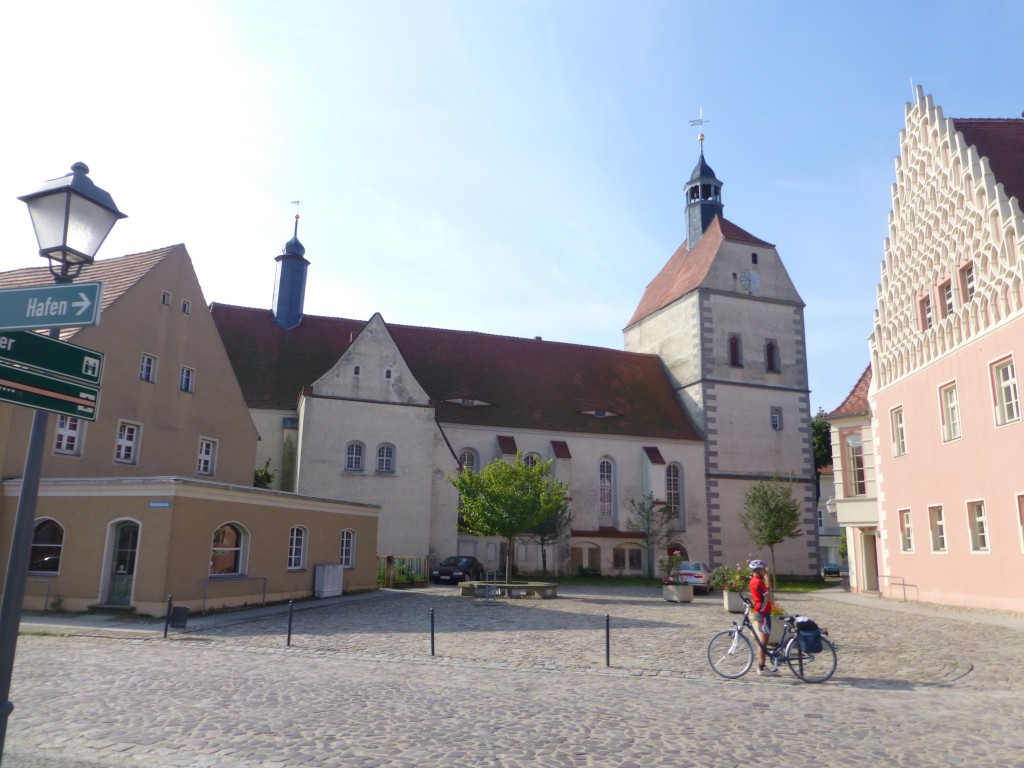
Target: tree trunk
{"x": 510, "y": 545}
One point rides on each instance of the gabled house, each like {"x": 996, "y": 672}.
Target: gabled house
{"x": 155, "y": 496}
{"x": 943, "y": 400}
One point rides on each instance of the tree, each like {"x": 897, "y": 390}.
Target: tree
{"x": 821, "y": 436}
{"x": 652, "y": 520}
{"x": 771, "y": 515}
{"x": 507, "y": 500}
{"x": 550, "y": 531}
{"x": 263, "y": 478}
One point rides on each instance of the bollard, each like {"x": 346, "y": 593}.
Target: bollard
{"x": 431, "y": 631}
{"x": 291, "y": 610}
{"x": 167, "y": 618}
{"x": 607, "y": 640}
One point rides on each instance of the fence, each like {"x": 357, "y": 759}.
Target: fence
{"x": 399, "y": 571}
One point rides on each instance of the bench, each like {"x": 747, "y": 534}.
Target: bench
{"x": 543, "y": 590}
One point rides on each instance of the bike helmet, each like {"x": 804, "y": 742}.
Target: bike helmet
{"x": 755, "y": 564}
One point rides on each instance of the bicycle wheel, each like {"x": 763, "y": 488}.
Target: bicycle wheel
{"x": 811, "y": 667}
{"x": 730, "y": 654}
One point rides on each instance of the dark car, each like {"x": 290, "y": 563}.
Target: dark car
{"x": 457, "y": 568}
{"x": 830, "y": 569}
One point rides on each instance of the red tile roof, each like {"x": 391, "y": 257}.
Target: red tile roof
{"x": 686, "y": 270}
{"x": 1002, "y": 142}
{"x": 117, "y": 276}
{"x": 528, "y": 383}
{"x": 856, "y": 403}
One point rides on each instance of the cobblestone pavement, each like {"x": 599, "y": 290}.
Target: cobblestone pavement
{"x": 517, "y": 684}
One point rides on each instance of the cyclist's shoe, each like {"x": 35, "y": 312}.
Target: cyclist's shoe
{"x": 767, "y": 670}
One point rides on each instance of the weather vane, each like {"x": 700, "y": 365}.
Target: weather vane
{"x": 697, "y": 124}
{"x": 296, "y": 203}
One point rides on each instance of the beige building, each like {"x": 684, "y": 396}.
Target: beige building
{"x": 155, "y": 497}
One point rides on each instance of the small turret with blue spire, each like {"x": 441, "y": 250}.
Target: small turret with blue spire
{"x": 290, "y": 287}
{"x": 703, "y": 199}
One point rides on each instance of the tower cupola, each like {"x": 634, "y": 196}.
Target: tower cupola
{"x": 290, "y": 286}
{"x": 703, "y": 199}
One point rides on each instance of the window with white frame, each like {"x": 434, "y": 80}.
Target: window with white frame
{"x": 207, "y": 461}
{"x": 906, "y": 531}
{"x": 386, "y": 458}
{"x": 775, "y": 415}
{"x": 186, "y": 307}
{"x": 674, "y": 494}
{"x": 899, "y": 435}
{"x": 68, "y": 436}
{"x": 297, "y": 548}
{"x": 354, "y": 457}
{"x": 187, "y": 382}
{"x": 228, "y": 553}
{"x": 347, "y": 555}
{"x": 978, "y": 523}
{"x": 946, "y": 294}
{"x": 606, "y": 490}
{"x": 165, "y": 298}
{"x": 468, "y": 460}
{"x": 938, "y": 529}
{"x": 967, "y": 281}
{"x": 126, "y": 449}
{"x": 1004, "y": 384}
{"x": 852, "y": 452}
{"x": 531, "y": 459}
{"x": 147, "y": 369}
{"x": 926, "y": 313}
{"x": 47, "y": 546}
{"x": 949, "y": 401}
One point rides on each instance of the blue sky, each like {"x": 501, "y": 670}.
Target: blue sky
{"x": 514, "y": 168}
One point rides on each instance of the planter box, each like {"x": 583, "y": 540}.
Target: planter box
{"x": 732, "y": 601}
{"x": 776, "y": 634}
{"x": 677, "y": 593}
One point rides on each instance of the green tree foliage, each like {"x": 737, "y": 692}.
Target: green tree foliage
{"x": 821, "y": 435}
{"x": 550, "y": 531}
{"x": 652, "y": 521}
{"x": 508, "y": 499}
{"x": 771, "y": 515}
{"x": 263, "y": 478}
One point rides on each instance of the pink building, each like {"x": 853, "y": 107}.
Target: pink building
{"x": 947, "y": 441}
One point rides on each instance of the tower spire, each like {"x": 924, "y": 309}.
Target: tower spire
{"x": 290, "y": 286}
{"x": 703, "y": 192}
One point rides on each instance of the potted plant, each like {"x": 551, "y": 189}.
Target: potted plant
{"x": 731, "y": 579}
{"x": 673, "y": 589}
{"x": 776, "y": 632}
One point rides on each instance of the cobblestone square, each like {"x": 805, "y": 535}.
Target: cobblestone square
{"x": 514, "y": 684}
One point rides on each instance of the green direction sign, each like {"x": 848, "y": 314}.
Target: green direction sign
{"x": 47, "y": 393}
{"x": 65, "y": 305}
{"x": 51, "y": 356}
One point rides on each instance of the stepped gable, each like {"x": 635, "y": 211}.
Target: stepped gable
{"x": 856, "y": 403}
{"x": 1002, "y": 142}
{"x": 525, "y": 383}
{"x": 117, "y": 275}
{"x": 686, "y": 270}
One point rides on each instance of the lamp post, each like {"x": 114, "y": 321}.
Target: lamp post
{"x": 72, "y": 217}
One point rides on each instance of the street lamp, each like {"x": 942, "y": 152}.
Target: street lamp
{"x": 830, "y": 505}
{"x": 72, "y": 217}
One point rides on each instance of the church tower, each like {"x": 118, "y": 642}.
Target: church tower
{"x": 728, "y": 324}
{"x": 290, "y": 286}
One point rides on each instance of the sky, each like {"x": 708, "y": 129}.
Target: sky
{"x": 507, "y": 167}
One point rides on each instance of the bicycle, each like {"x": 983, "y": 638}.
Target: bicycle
{"x": 844, "y": 582}
{"x": 731, "y": 653}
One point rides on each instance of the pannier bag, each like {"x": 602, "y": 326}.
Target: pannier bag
{"x": 808, "y": 635}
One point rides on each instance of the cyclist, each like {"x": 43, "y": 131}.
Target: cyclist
{"x": 760, "y": 596}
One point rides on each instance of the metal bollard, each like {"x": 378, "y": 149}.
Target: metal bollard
{"x": 291, "y": 611}
{"x": 431, "y": 631}
{"x": 607, "y": 640}
{"x": 167, "y": 618}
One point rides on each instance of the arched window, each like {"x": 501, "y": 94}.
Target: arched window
{"x": 735, "y": 350}
{"x": 531, "y": 459}
{"x": 771, "y": 357}
{"x": 468, "y": 460}
{"x": 227, "y": 556}
{"x": 297, "y": 548}
{"x": 627, "y": 557}
{"x": 47, "y": 543}
{"x": 606, "y": 491}
{"x": 354, "y": 457}
{"x": 386, "y": 458}
{"x": 674, "y": 493}
{"x": 347, "y": 555}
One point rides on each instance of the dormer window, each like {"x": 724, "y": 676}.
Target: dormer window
{"x": 466, "y": 402}
{"x": 600, "y": 414}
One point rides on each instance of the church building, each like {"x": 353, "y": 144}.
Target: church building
{"x": 709, "y": 396}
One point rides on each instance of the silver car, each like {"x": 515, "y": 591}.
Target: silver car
{"x": 694, "y": 573}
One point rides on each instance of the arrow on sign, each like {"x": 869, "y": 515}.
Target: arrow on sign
{"x": 82, "y": 305}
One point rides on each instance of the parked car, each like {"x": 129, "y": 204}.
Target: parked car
{"x": 830, "y": 569}
{"x": 694, "y": 573}
{"x": 457, "y": 568}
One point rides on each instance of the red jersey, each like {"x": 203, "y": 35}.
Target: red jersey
{"x": 759, "y": 594}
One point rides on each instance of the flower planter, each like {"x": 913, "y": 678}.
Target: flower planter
{"x": 732, "y": 601}
{"x": 677, "y": 593}
{"x": 776, "y": 634}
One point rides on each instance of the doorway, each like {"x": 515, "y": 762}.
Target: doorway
{"x": 122, "y": 563}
